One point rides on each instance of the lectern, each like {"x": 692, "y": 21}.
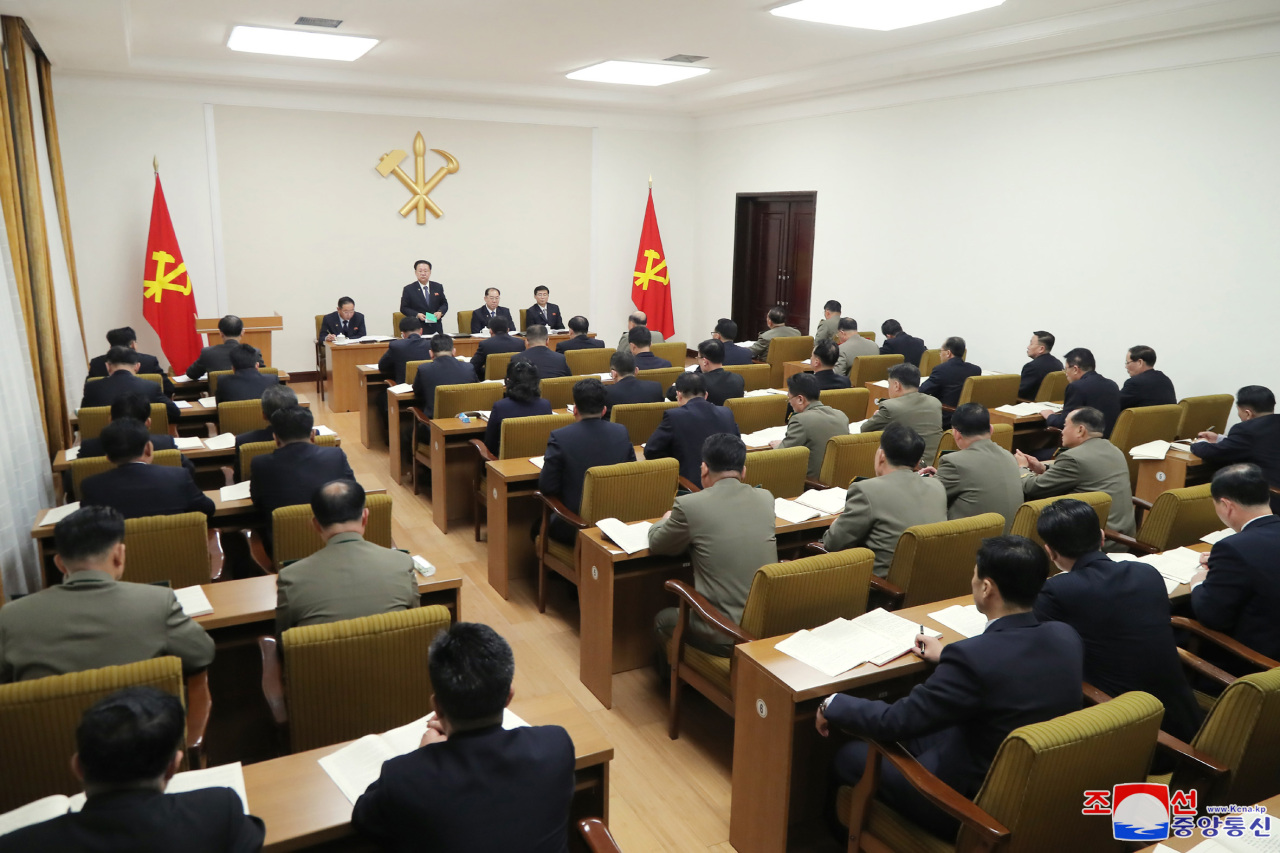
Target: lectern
{"x": 257, "y": 332}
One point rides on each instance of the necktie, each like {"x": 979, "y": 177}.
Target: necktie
{"x": 344, "y": 327}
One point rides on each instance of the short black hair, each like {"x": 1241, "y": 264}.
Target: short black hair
{"x": 639, "y": 318}
{"x": 440, "y": 342}
{"x": 832, "y": 305}
{"x": 1089, "y": 418}
{"x": 498, "y": 325}
{"x": 122, "y": 355}
{"x": 125, "y": 439}
{"x": 121, "y": 337}
{"x": 623, "y": 361}
{"x": 90, "y": 531}
{"x": 827, "y": 353}
{"x": 906, "y": 374}
{"x": 803, "y": 385}
{"x": 588, "y": 396}
{"x": 727, "y": 329}
{"x": 130, "y": 736}
{"x": 471, "y": 668}
{"x": 345, "y": 300}
{"x": 971, "y": 420}
{"x": 890, "y": 327}
{"x": 1045, "y": 338}
{"x": 293, "y": 423}
{"x": 579, "y": 325}
{"x": 847, "y": 324}
{"x": 1081, "y": 358}
{"x": 1070, "y": 527}
{"x": 1144, "y": 354}
{"x": 417, "y": 264}
{"x": 777, "y": 314}
{"x": 1016, "y": 565}
{"x": 691, "y": 385}
{"x": 277, "y": 397}
{"x": 244, "y": 357}
{"x": 231, "y": 326}
{"x": 1242, "y": 483}
{"x": 494, "y": 289}
{"x": 722, "y": 451}
{"x": 523, "y": 383}
{"x": 902, "y": 445}
{"x": 1256, "y": 397}
{"x": 536, "y": 333}
{"x": 133, "y": 406}
{"x": 337, "y": 502}
{"x": 410, "y": 323}
{"x": 712, "y": 350}
{"x": 640, "y": 336}
{"x": 955, "y": 345}
{"x": 541, "y": 287}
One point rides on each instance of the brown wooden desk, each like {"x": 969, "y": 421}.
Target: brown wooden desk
{"x": 878, "y": 390}
{"x": 791, "y": 368}
{"x": 342, "y": 387}
{"x": 213, "y": 457}
{"x": 302, "y": 807}
{"x": 372, "y": 386}
{"x": 257, "y": 332}
{"x": 397, "y": 409}
{"x": 1156, "y": 476}
{"x": 1184, "y": 844}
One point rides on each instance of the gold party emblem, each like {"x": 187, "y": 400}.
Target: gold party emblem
{"x": 421, "y": 189}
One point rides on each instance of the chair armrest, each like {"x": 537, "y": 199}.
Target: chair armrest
{"x": 199, "y": 706}
{"x": 1200, "y": 763}
{"x": 597, "y": 836}
{"x": 555, "y": 505}
{"x": 420, "y": 416}
{"x": 1128, "y": 541}
{"x": 1141, "y": 504}
{"x": 815, "y": 484}
{"x": 816, "y": 548}
{"x": 1221, "y": 640}
{"x": 483, "y": 449}
{"x": 1201, "y": 666}
{"x": 688, "y": 484}
{"x": 947, "y": 408}
{"x": 1093, "y": 695}
{"x": 273, "y": 679}
{"x": 896, "y": 593}
{"x": 708, "y": 611}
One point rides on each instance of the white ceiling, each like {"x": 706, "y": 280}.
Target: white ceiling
{"x": 517, "y": 51}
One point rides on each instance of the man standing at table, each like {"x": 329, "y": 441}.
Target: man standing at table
{"x": 346, "y": 321}
{"x": 481, "y": 316}
{"x": 424, "y": 298}
{"x": 542, "y": 312}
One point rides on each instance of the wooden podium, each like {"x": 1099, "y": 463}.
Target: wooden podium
{"x": 257, "y": 332}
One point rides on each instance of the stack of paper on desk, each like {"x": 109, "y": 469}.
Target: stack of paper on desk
{"x": 1020, "y": 410}
{"x": 690, "y": 368}
{"x": 222, "y": 441}
{"x": 209, "y": 402}
{"x": 537, "y": 461}
{"x": 58, "y": 513}
{"x": 792, "y": 511}
{"x": 375, "y": 339}
{"x": 1178, "y": 564}
{"x": 182, "y": 404}
{"x": 762, "y": 437}
{"x": 73, "y": 453}
{"x": 629, "y": 537}
{"x": 321, "y": 429}
{"x": 189, "y": 443}
{"x": 238, "y": 492}
{"x": 964, "y": 619}
{"x": 855, "y": 427}
{"x": 193, "y": 600}
{"x": 402, "y": 388}
{"x": 181, "y": 378}
{"x": 766, "y": 392}
{"x": 825, "y": 501}
{"x": 605, "y": 377}
{"x": 369, "y": 366}
{"x": 1217, "y": 536}
{"x": 876, "y": 637}
{"x": 746, "y": 344}
{"x": 1151, "y": 450}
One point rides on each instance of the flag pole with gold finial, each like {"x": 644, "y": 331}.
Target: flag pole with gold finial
{"x": 155, "y": 164}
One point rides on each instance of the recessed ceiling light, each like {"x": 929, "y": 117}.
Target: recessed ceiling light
{"x": 635, "y": 73}
{"x": 298, "y": 43}
{"x": 880, "y": 14}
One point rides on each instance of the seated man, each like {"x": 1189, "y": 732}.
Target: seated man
{"x": 1019, "y": 671}
{"x": 726, "y": 332}
{"x": 130, "y": 406}
{"x": 684, "y": 429}
{"x": 499, "y": 340}
{"x": 829, "y": 324}
{"x": 349, "y": 577}
{"x": 852, "y": 345}
{"x": 1145, "y": 386}
{"x": 346, "y": 321}
{"x": 776, "y": 320}
{"x": 542, "y": 312}
{"x": 274, "y": 399}
{"x": 1040, "y": 365}
{"x": 1121, "y": 612}
{"x": 122, "y": 362}
{"x": 218, "y": 356}
{"x": 580, "y": 328}
{"x": 128, "y": 747}
{"x": 813, "y": 424}
{"x": 91, "y": 619}
{"x": 1087, "y": 463}
{"x": 491, "y": 788}
{"x": 948, "y": 377}
{"x": 721, "y": 385}
{"x": 550, "y": 363}
{"x": 639, "y": 339}
{"x": 825, "y": 357}
{"x": 291, "y": 474}
{"x": 898, "y": 342}
{"x": 727, "y": 528}
{"x": 1255, "y": 439}
{"x": 444, "y": 369}
{"x": 1085, "y": 387}
{"x": 135, "y": 488}
{"x": 521, "y": 399}
{"x": 638, "y": 318}
{"x": 627, "y": 387}
{"x": 246, "y": 383}
{"x": 906, "y": 405}
{"x": 490, "y": 309}
{"x": 125, "y": 336}
{"x": 571, "y": 450}
{"x": 878, "y": 510}
{"x": 1238, "y": 591}
{"x": 411, "y": 346}
{"x": 981, "y": 476}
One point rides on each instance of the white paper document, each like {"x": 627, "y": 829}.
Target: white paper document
{"x": 766, "y": 392}
{"x": 855, "y": 427}
{"x": 38, "y": 811}
{"x": 746, "y": 344}
{"x": 964, "y": 619}
{"x": 792, "y": 511}
{"x": 762, "y": 437}
{"x": 209, "y": 402}
{"x": 1178, "y": 564}
{"x": 181, "y": 379}
{"x": 826, "y": 501}
{"x": 321, "y": 429}
{"x": 629, "y": 537}
{"x": 605, "y": 377}
{"x": 402, "y": 388}
{"x": 73, "y": 453}
{"x": 1224, "y": 843}
{"x": 238, "y": 492}
{"x": 1157, "y": 449}
{"x": 223, "y": 776}
{"x": 876, "y": 637}
{"x": 222, "y": 441}
{"x": 1019, "y": 410}
{"x": 193, "y": 600}
{"x": 58, "y": 513}
{"x": 690, "y": 368}
{"x": 369, "y": 366}
{"x": 498, "y": 381}
{"x": 1217, "y": 536}
{"x": 189, "y": 443}
{"x": 537, "y": 461}
{"x": 182, "y": 404}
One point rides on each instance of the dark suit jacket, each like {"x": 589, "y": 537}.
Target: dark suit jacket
{"x": 1121, "y": 612}
{"x": 104, "y": 392}
{"x": 682, "y": 432}
{"x": 509, "y": 408}
{"x": 399, "y": 353}
{"x": 1257, "y": 441}
{"x": 1094, "y": 390}
{"x": 1034, "y": 372}
{"x": 490, "y": 345}
{"x": 216, "y": 358}
{"x": 573, "y": 449}
{"x": 721, "y": 385}
{"x": 829, "y": 380}
{"x": 1149, "y": 388}
{"x": 93, "y": 447}
{"x": 906, "y": 346}
{"x": 481, "y": 316}
{"x": 549, "y": 362}
{"x": 244, "y": 385}
{"x": 947, "y": 380}
{"x": 332, "y": 325}
{"x": 443, "y": 370}
{"x": 291, "y": 474}
{"x": 210, "y": 820}
{"x": 629, "y": 389}
{"x": 412, "y": 303}
{"x": 1241, "y": 594}
{"x": 1019, "y": 671}
{"x": 137, "y": 490}
{"x": 579, "y": 342}
{"x": 148, "y": 364}
{"x": 492, "y": 790}
{"x": 251, "y": 437}
{"x": 649, "y": 361}
{"x": 734, "y": 354}
{"x": 551, "y": 318}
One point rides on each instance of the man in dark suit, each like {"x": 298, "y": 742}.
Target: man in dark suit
{"x": 135, "y": 487}
{"x": 218, "y": 357}
{"x": 424, "y": 299}
{"x": 128, "y": 747}
{"x": 683, "y": 429}
{"x": 579, "y": 326}
{"x": 1040, "y": 365}
{"x": 444, "y": 369}
{"x": 627, "y": 387}
{"x": 1086, "y": 388}
{"x": 346, "y": 321}
{"x": 274, "y": 399}
{"x": 1255, "y": 439}
{"x": 549, "y": 362}
{"x": 125, "y": 336}
{"x": 481, "y": 316}
{"x": 490, "y": 788}
{"x": 898, "y": 342}
{"x": 246, "y": 383}
{"x": 948, "y": 377}
{"x": 499, "y": 340}
{"x": 639, "y": 339}
{"x": 721, "y": 385}
{"x": 130, "y": 406}
{"x": 292, "y": 473}
{"x": 1238, "y": 590}
{"x": 571, "y": 450}
{"x": 1121, "y": 612}
{"x": 122, "y": 362}
{"x": 542, "y": 312}
{"x": 1019, "y": 671}
{"x": 823, "y": 361}
{"x": 726, "y": 332}
{"x": 412, "y": 346}
{"x": 1145, "y": 386}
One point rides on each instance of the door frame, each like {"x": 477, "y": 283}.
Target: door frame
{"x": 740, "y": 297}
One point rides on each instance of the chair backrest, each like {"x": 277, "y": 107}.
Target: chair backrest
{"x": 495, "y": 365}
{"x": 794, "y": 348}
{"x": 852, "y": 401}
{"x": 214, "y": 375}
{"x": 849, "y": 456}
{"x": 583, "y": 362}
{"x": 781, "y": 472}
{"x": 468, "y": 397}
{"x": 871, "y": 336}
{"x": 295, "y": 537}
{"x": 240, "y": 416}
{"x": 664, "y": 376}
{"x": 1204, "y": 413}
{"x": 411, "y": 369}
{"x": 1033, "y": 785}
{"x": 173, "y": 548}
{"x": 808, "y": 592}
{"x": 755, "y": 377}
{"x": 672, "y": 351}
{"x": 935, "y": 561}
{"x": 1179, "y": 517}
{"x": 630, "y": 491}
{"x": 529, "y": 436}
{"x": 1242, "y": 731}
{"x": 756, "y": 413}
{"x": 523, "y": 322}
{"x": 348, "y": 679}
{"x": 929, "y": 359}
{"x": 1001, "y": 434}
{"x": 991, "y": 391}
{"x": 558, "y": 390}
{"x": 153, "y": 377}
{"x": 319, "y": 325}
{"x": 256, "y": 448}
{"x": 1143, "y": 424}
{"x": 640, "y": 419}
{"x": 1024, "y": 522}
{"x": 464, "y": 321}
{"x": 38, "y": 720}
{"x": 92, "y": 420}
{"x": 871, "y": 368}
{"x": 82, "y": 469}
{"x": 1053, "y": 388}
{"x": 396, "y": 317}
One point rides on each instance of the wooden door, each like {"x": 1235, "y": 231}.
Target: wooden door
{"x": 773, "y": 260}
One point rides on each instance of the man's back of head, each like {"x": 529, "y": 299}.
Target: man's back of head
{"x": 1095, "y": 425}
{"x": 133, "y": 406}
{"x": 579, "y": 325}
{"x": 119, "y": 357}
{"x": 536, "y": 335}
{"x": 124, "y": 336}
{"x": 777, "y": 315}
{"x": 410, "y": 326}
{"x": 277, "y": 397}
{"x": 1081, "y": 358}
{"x": 244, "y": 357}
{"x": 638, "y": 318}
{"x": 339, "y": 505}
{"x": 130, "y": 740}
{"x": 690, "y": 385}
{"x": 1244, "y": 485}
{"x": 1016, "y": 566}
{"x": 723, "y": 453}
{"x": 907, "y": 375}
{"x": 441, "y": 344}
{"x": 889, "y": 328}
{"x": 471, "y": 668}
{"x": 231, "y": 326}
{"x": 589, "y": 397}
{"x": 1256, "y": 398}
{"x": 88, "y": 538}
{"x": 847, "y": 325}
{"x": 972, "y": 420}
{"x": 623, "y": 363}
{"x": 125, "y": 440}
{"x": 902, "y": 446}
{"x": 1070, "y": 527}
{"x": 727, "y": 329}
{"x": 640, "y": 337}
{"x": 827, "y": 354}
{"x": 498, "y": 325}
{"x": 956, "y": 346}
{"x": 832, "y": 306}
{"x": 292, "y": 425}
{"x": 1045, "y": 339}
{"x": 713, "y": 351}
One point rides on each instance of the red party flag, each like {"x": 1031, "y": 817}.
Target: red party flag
{"x": 168, "y": 302}
{"x": 650, "y": 288}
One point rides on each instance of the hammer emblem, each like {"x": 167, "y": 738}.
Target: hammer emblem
{"x": 421, "y": 187}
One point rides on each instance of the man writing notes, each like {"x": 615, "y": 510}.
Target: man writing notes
{"x": 906, "y": 405}
{"x": 851, "y": 345}
{"x": 813, "y": 424}
{"x": 824, "y": 359}
{"x": 542, "y": 312}
{"x": 981, "y": 476}
{"x": 1145, "y": 386}
{"x": 721, "y": 385}
{"x": 1255, "y": 439}
{"x": 898, "y": 342}
{"x": 346, "y": 321}
{"x": 776, "y": 320}
{"x": 481, "y": 316}
{"x": 424, "y": 298}
{"x": 1085, "y": 387}
{"x": 1040, "y": 365}
{"x": 1017, "y": 672}
{"x": 829, "y": 323}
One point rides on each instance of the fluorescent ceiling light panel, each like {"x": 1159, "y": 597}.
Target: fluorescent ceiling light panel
{"x": 636, "y": 73}
{"x": 880, "y": 14}
{"x": 299, "y": 43}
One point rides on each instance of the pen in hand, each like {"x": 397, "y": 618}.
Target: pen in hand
{"x": 920, "y": 641}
